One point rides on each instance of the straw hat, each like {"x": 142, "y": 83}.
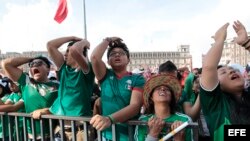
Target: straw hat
{"x": 159, "y": 80}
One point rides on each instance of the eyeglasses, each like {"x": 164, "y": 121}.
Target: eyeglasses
{"x": 36, "y": 64}
{"x": 120, "y": 53}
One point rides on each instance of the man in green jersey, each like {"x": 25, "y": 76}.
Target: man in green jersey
{"x": 37, "y": 91}
{"x": 14, "y": 103}
{"x": 121, "y": 91}
{"x": 76, "y": 79}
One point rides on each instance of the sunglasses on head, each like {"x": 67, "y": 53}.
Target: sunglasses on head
{"x": 36, "y": 63}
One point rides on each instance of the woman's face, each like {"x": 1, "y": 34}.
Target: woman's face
{"x": 161, "y": 94}
{"x": 230, "y": 80}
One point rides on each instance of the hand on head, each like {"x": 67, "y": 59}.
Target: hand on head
{"x": 82, "y": 45}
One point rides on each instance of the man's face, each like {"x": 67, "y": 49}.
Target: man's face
{"x": 68, "y": 58}
{"x": 38, "y": 69}
{"x": 118, "y": 58}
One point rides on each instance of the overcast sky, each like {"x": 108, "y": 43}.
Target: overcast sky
{"x": 144, "y": 25}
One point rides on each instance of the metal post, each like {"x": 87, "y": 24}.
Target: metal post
{"x": 84, "y": 17}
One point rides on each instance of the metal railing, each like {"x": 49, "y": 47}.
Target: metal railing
{"x": 11, "y": 121}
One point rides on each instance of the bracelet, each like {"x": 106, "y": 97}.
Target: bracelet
{"x": 107, "y": 39}
{"x": 244, "y": 45}
{"x": 112, "y": 120}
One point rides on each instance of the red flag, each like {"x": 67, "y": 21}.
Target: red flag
{"x": 62, "y": 11}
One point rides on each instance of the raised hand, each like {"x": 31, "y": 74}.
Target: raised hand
{"x": 82, "y": 46}
{"x": 221, "y": 33}
{"x": 241, "y": 32}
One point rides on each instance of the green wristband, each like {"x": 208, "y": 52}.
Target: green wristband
{"x": 111, "y": 119}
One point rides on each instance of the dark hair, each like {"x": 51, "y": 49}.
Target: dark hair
{"x": 199, "y": 70}
{"x": 172, "y": 105}
{"x": 179, "y": 76}
{"x": 45, "y": 59}
{"x": 240, "y": 109}
{"x": 247, "y": 68}
{"x": 168, "y": 66}
{"x": 71, "y": 43}
{"x": 5, "y": 87}
{"x": 219, "y": 66}
{"x": 117, "y": 44}
{"x": 195, "y": 78}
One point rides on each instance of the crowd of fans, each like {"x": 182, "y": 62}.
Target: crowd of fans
{"x": 176, "y": 95}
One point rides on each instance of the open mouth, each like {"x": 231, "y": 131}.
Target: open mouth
{"x": 162, "y": 94}
{"x": 36, "y": 71}
{"x": 235, "y": 76}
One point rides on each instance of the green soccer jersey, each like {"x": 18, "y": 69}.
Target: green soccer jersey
{"x": 3, "y": 99}
{"x": 115, "y": 95}
{"x": 216, "y": 107}
{"x": 75, "y": 91}
{"x": 14, "y": 98}
{"x": 37, "y": 95}
{"x": 141, "y": 131}
{"x": 180, "y": 102}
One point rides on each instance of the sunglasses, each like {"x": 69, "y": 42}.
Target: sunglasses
{"x": 36, "y": 64}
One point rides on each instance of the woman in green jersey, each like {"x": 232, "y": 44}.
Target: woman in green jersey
{"x": 223, "y": 98}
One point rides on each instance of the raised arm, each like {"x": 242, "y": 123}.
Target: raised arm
{"x": 209, "y": 77}
{"x": 193, "y": 110}
{"x": 99, "y": 66}
{"x": 79, "y": 53}
{"x": 10, "y": 66}
{"x": 55, "y": 44}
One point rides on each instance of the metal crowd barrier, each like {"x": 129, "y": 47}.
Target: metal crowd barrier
{"x": 11, "y": 121}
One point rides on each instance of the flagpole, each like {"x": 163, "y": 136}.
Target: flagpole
{"x": 84, "y": 17}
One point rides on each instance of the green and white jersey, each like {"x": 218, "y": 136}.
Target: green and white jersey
{"x": 14, "y": 98}
{"x": 75, "y": 91}
{"x": 180, "y": 102}
{"x": 216, "y": 107}
{"x": 141, "y": 131}
{"x": 37, "y": 95}
{"x": 3, "y": 99}
{"x": 115, "y": 95}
